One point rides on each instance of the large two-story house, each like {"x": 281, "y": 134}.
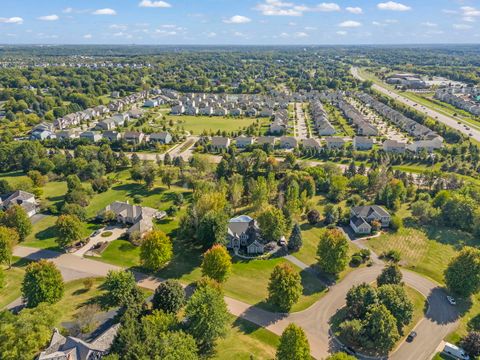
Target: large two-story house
{"x": 361, "y": 218}
{"x": 244, "y": 233}
{"x": 140, "y": 218}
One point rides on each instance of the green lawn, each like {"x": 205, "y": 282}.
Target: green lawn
{"x": 246, "y": 341}
{"x": 43, "y": 235}
{"x": 198, "y": 124}
{"x": 249, "y": 283}
{"x": 470, "y": 320}
{"x": 426, "y": 251}
{"x": 13, "y": 282}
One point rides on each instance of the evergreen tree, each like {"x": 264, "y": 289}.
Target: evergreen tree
{"x": 295, "y": 240}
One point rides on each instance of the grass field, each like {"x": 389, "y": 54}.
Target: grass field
{"x": 197, "y": 124}
{"x": 426, "y": 251}
{"x": 12, "y": 282}
{"x": 246, "y": 341}
{"x": 470, "y": 318}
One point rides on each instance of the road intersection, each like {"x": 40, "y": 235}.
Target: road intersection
{"x": 440, "y": 319}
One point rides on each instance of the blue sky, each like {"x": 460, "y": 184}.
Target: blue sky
{"x": 282, "y": 22}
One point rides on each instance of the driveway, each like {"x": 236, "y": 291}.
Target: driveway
{"x": 117, "y": 231}
{"x": 439, "y": 321}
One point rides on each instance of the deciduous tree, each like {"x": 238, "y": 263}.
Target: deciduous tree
{"x": 285, "y": 286}
{"x": 333, "y": 251}
{"x": 462, "y": 275}
{"x": 217, "y": 263}
{"x": 169, "y": 296}
{"x": 156, "y": 250}
{"x": 8, "y": 239}
{"x": 15, "y": 217}
{"x": 42, "y": 283}
{"x": 69, "y": 230}
{"x": 293, "y": 344}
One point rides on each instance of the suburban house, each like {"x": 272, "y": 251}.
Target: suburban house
{"x": 107, "y": 124}
{"x": 335, "y": 142}
{"x": 66, "y": 134}
{"x": 112, "y": 135}
{"x": 243, "y": 232}
{"x": 361, "y": 218}
{"x": 394, "y": 146}
{"x": 24, "y": 199}
{"x": 288, "y": 142}
{"x": 427, "y": 145}
{"x": 91, "y": 136}
{"x": 362, "y": 143}
{"x": 150, "y": 103}
{"x": 72, "y": 348}
{"x": 139, "y": 218}
{"x": 162, "y": 137}
{"x": 269, "y": 140}
{"x": 311, "y": 143}
{"x": 220, "y": 143}
{"x": 244, "y": 141}
{"x": 133, "y": 137}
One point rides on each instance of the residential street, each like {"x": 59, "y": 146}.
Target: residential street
{"x": 447, "y": 120}
{"x": 301, "y": 125}
{"x": 438, "y": 322}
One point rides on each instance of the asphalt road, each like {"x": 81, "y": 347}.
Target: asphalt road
{"x": 447, "y": 120}
{"x": 440, "y": 319}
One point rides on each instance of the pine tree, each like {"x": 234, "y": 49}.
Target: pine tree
{"x": 295, "y": 240}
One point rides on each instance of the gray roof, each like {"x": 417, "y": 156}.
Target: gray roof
{"x": 366, "y": 211}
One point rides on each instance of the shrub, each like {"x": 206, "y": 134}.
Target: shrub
{"x": 391, "y": 255}
{"x": 356, "y": 260}
{"x": 396, "y": 223}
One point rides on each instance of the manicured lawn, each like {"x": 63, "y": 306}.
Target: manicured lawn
{"x": 198, "y": 124}
{"x": 43, "y": 235}
{"x": 426, "y": 251}
{"x": 121, "y": 253}
{"x": 246, "y": 341}
{"x": 249, "y": 283}
{"x": 13, "y": 282}
{"x": 308, "y": 253}
{"x": 54, "y": 191}
{"x": 76, "y": 296}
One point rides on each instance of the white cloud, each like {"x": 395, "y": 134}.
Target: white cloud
{"x": 300, "y": 34}
{"x": 342, "y": 32}
{"x": 309, "y": 28}
{"x": 154, "y": 4}
{"x": 429, "y": 24}
{"x": 237, "y": 19}
{"x": 165, "y": 32}
{"x": 462, "y": 26}
{"x": 291, "y": 23}
{"x": 393, "y": 6}
{"x": 239, "y": 34}
{"x": 52, "y": 17}
{"x": 470, "y": 11}
{"x": 354, "y": 10}
{"x": 12, "y": 20}
{"x": 67, "y": 10}
{"x": 118, "y": 27}
{"x": 283, "y": 8}
{"x": 211, "y": 34}
{"x": 448, "y": 11}
{"x": 385, "y": 22}
{"x": 87, "y": 36}
{"x": 106, "y": 11}
{"x": 350, "y": 24}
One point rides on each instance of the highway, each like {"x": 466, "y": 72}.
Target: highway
{"x": 447, "y": 120}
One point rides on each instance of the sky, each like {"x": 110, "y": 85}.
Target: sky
{"x": 239, "y": 22}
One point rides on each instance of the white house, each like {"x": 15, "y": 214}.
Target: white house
{"x": 22, "y": 198}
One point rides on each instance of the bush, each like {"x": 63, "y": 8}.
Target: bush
{"x": 137, "y": 199}
{"x": 391, "y": 255}
{"x": 396, "y": 223}
{"x": 106, "y": 234}
{"x": 356, "y": 260}
{"x": 313, "y": 217}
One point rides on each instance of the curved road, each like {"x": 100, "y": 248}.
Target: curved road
{"x": 440, "y": 319}
{"x": 447, "y": 120}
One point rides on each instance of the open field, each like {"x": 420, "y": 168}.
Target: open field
{"x": 246, "y": 341}
{"x": 198, "y": 124}
{"x": 426, "y": 251}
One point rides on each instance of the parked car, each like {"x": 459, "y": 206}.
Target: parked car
{"x": 451, "y": 300}
{"x": 411, "y": 336}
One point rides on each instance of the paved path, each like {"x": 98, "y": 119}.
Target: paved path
{"x": 447, "y": 120}
{"x": 301, "y": 125}
{"x": 438, "y": 322}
